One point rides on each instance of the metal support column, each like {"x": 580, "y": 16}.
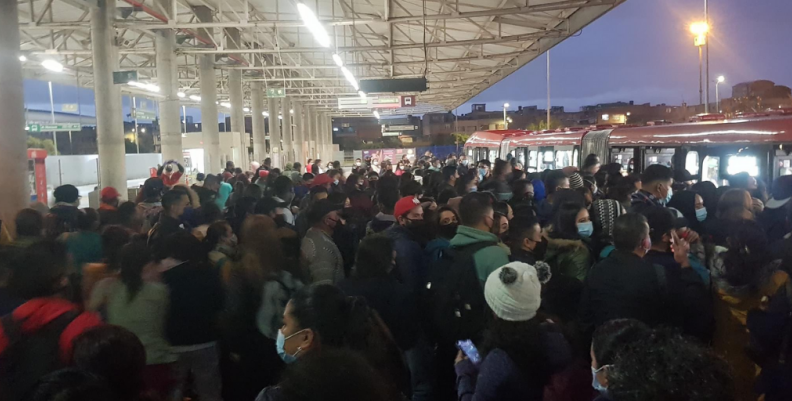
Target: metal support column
{"x": 286, "y": 133}
{"x": 299, "y": 134}
{"x": 274, "y": 131}
{"x": 13, "y": 163}
{"x": 237, "y": 100}
{"x": 259, "y": 130}
{"x": 329, "y": 135}
{"x": 209, "y": 116}
{"x": 168, "y": 80}
{"x": 310, "y": 116}
{"x": 109, "y": 117}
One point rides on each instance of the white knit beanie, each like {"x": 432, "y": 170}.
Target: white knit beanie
{"x": 514, "y": 292}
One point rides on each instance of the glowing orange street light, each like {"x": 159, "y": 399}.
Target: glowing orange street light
{"x": 699, "y": 28}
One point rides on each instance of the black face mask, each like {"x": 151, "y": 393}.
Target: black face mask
{"x": 418, "y": 229}
{"x": 448, "y": 231}
{"x": 540, "y": 249}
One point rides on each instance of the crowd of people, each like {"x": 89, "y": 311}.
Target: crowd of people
{"x": 431, "y": 279}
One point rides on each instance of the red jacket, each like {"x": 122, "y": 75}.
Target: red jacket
{"x": 37, "y": 313}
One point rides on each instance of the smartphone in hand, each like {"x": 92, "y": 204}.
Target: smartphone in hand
{"x": 470, "y": 351}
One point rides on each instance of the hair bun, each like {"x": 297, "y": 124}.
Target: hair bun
{"x": 508, "y": 275}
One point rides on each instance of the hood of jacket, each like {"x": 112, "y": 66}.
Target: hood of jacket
{"x": 468, "y": 235}
{"x": 381, "y": 222}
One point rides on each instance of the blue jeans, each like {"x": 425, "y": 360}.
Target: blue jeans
{"x": 420, "y": 361}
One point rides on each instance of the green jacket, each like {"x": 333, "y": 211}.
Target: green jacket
{"x": 570, "y": 258}
{"x": 488, "y": 259}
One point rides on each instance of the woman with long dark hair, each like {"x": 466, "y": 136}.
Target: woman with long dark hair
{"x": 141, "y": 307}
{"x": 323, "y": 317}
{"x": 520, "y": 350}
{"x": 692, "y": 207}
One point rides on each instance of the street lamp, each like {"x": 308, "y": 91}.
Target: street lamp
{"x": 700, "y": 29}
{"x": 721, "y": 79}
{"x": 505, "y": 122}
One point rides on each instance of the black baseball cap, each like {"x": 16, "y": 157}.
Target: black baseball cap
{"x": 66, "y": 193}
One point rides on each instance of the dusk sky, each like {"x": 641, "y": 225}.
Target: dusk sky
{"x": 641, "y": 51}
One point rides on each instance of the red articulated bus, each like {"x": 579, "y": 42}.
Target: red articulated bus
{"x": 711, "y": 150}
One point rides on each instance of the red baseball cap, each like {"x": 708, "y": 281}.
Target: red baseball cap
{"x": 404, "y": 205}
{"x": 109, "y": 193}
{"x": 322, "y": 179}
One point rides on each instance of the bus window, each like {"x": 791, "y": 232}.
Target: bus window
{"x": 659, "y": 156}
{"x": 711, "y": 169}
{"x": 692, "y": 162}
{"x": 533, "y": 163}
{"x": 547, "y": 160}
{"x": 622, "y": 156}
{"x": 563, "y": 158}
{"x": 738, "y": 164}
{"x": 575, "y": 158}
{"x": 470, "y": 153}
{"x": 493, "y": 155}
{"x": 784, "y": 166}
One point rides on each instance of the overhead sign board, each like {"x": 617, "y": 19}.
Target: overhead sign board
{"x": 54, "y": 127}
{"x": 69, "y": 107}
{"x": 408, "y": 101}
{"x": 145, "y": 115}
{"x": 370, "y": 102}
{"x": 391, "y": 133}
{"x": 124, "y": 77}
{"x": 393, "y": 128}
{"x": 276, "y": 92}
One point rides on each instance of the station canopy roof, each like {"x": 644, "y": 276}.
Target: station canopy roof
{"x": 462, "y": 47}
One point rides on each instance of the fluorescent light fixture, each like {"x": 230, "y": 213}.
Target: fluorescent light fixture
{"x": 246, "y": 109}
{"x": 280, "y": 117}
{"x": 226, "y": 105}
{"x": 22, "y": 58}
{"x": 351, "y": 78}
{"x": 362, "y": 94}
{"x": 141, "y": 85}
{"x": 335, "y": 129}
{"x": 313, "y": 25}
{"x": 52, "y": 65}
{"x": 338, "y": 60}
{"x": 195, "y": 97}
{"x": 376, "y": 114}
{"x": 265, "y": 114}
{"x": 181, "y": 94}
{"x": 291, "y": 111}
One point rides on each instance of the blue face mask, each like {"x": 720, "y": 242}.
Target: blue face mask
{"x": 585, "y": 229}
{"x": 595, "y": 383}
{"x": 482, "y": 172}
{"x": 281, "y": 342}
{"x": 668, "y": 196}
{"x": 701, "y": 214}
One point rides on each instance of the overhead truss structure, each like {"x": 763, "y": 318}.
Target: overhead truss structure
{"x": 462, "y": 47}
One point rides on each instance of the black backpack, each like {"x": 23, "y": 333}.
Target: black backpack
{"x": 455, "y": 299}
{"x": 30, "y": 356}
{"x": 771, "y": 345}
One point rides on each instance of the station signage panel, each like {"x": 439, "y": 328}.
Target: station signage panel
{"x": 54, "y": 127}
{"x": 370, "y": 102}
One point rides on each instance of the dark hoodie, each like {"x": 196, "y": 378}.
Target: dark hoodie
{"x": 380, "y": 223}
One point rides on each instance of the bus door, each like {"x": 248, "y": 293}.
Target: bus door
{"x": 662, "y": 156}
{"x": 623, "y": 156}
{"x": 546, "y": 158}
{"x": 782, "y": 161}
{"x": 565, "y": 156}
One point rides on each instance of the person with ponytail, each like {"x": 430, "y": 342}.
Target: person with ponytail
{"x": 141, "y": 308}
{"x": 321, "y": 317}
{"x": 521, "y": 350}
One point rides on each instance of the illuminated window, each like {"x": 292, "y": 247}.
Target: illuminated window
{"x": 548, "y": 156}
{"x": 711, "y": 169}
{"x": 532, "y": 160}
{"x": 575, "y": 157}
{"x": 692, "y": 162}
{"x": 739, "y": 164}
